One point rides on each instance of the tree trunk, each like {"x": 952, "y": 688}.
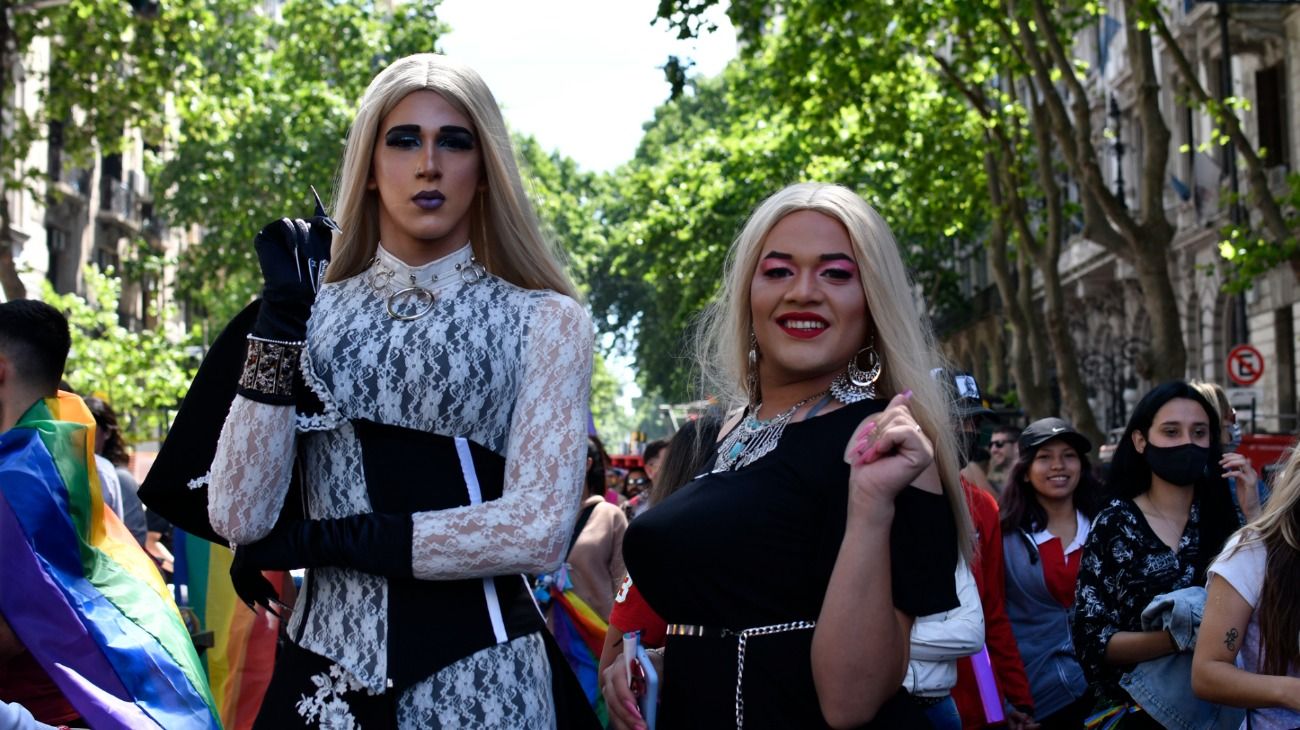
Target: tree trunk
{"x": 1074, "y": 395}
{"x": 9, "y": 281}
{"x": 1168, "y": 354}
{"x": 1261, "y": 196}
{"x": 1030, "y": 387}
{"x": 1040, "y": 356}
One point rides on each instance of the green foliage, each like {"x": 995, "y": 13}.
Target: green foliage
{"x": 266, "y": 119}
{"x": 1249, "y": 255}
{"x": 106, "y": 50}
{"x": 143, "y": 375}
{"x": 798, "y": 106}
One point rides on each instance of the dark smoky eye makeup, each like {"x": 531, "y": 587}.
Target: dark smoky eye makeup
{"x": 456, "y": 138}
{"x": 405, "y": 135}
{"x": 842, "y": 273}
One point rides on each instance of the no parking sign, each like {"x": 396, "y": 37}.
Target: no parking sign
{"x": 1245, "y": 365}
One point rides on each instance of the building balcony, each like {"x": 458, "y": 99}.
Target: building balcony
{"x": 120, "y": 204}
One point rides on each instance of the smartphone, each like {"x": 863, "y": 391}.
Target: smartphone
{"x": 641, "y": 677}
{"x": 648, "y": 702}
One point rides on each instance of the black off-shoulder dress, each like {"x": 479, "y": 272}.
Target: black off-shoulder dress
{"x": 755, "y": 548}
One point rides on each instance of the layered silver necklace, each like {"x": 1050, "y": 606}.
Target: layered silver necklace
{"x": 753, "y": 439}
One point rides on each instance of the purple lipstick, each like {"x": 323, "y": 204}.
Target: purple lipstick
{"x": 429, "y": 199}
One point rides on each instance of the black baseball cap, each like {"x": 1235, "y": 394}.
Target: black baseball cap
{"x": 1045, "y": 429}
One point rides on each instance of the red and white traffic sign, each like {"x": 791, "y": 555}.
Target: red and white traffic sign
{"x": 1245, "y": 365}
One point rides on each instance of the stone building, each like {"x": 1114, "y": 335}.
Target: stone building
{"x": 99, "y": 212}
{"x": 1109, "y": 324}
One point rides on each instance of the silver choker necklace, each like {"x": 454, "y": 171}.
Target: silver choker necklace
{"x": 414, "y": 300}
{"x": 753, "y": 439}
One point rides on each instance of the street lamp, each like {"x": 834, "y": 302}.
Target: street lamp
{"x": 1118, "y": 144}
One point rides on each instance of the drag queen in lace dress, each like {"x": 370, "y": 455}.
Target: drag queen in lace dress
{"x": 446, "y": 458}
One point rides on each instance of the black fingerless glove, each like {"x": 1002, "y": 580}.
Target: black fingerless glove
{"x": 378, "y": 544}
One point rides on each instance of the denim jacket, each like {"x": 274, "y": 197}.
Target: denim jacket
{"x": 1163, "y": 686}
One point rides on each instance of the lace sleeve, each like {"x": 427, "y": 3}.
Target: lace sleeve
{"x": 251, "y": 470}
{"x": 525, "y": 531}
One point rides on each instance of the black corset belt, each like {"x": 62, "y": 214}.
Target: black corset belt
{"x": 432, "y": 624}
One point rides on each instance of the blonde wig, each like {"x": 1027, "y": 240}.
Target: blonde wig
{"x": 903, "y": 338}
{"x": 505, "y": 234}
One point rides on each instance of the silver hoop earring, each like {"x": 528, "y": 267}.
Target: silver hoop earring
{"x": 856, "y": 384}
{"x": 751, "y": 377}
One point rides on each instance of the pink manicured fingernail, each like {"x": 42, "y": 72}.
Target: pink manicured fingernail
{"x": 631, "y": 707}
{"x": 907, "y": 393}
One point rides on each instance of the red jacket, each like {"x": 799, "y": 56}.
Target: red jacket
{"x": 1001, "y": 643}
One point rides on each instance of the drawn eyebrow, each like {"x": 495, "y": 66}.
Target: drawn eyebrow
{"x": 402, "y": 128}
{"x": 824, "y": 257}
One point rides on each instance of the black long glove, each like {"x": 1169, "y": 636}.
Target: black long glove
{"x": 379, "y": 544}
{"x": 252, "y": 587}
{"x": 293, "y": 254}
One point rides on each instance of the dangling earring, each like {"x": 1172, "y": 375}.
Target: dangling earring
{"x": 751, "y": 378}
{"x": 856, "y": 384}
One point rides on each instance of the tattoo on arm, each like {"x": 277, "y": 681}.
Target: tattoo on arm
{"x": 1230, "y": 639}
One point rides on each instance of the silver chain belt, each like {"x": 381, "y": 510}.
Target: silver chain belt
{"x": 742, "y": 641}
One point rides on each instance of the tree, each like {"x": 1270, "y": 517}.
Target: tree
{"x": 135, "y": 54}
{"x": 143, "y": 375}
{"x": 933, "y": 114}
{"x": 266, "y": 120}
{"x": 708, "y": 158}
{"x": 830, "y": 51}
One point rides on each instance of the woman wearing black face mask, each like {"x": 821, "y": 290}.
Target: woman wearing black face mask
{"x": 1169, "y": 517}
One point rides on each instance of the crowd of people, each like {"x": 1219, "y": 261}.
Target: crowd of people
{"x": 845, "y": 540}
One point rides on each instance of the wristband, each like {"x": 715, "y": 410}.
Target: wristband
{"x": 270, "y": 370}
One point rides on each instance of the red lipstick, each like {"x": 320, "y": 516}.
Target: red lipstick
{"x": 802, "y": 325}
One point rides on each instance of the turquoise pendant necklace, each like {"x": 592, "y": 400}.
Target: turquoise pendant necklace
{"x": 753, "y": 439}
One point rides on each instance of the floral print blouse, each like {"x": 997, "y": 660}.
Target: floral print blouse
{"x": 1124, "y": 566}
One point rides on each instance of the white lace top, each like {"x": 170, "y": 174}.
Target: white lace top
{"x": 506, "y": 367}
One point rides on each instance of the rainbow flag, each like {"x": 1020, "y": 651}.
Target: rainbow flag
{"x": 243, "y": 653}
{"x": 80, "y": 593}
{"x": 580, "y": 633}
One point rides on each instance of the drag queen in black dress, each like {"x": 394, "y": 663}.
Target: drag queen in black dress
{"x": 833, "y": 515}
{"x": 446, "y": 456}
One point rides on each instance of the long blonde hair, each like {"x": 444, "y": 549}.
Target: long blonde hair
{"x": 904, "y": 340}
{"x": 506, "y": 237}
{"x": 1278, "y": 528}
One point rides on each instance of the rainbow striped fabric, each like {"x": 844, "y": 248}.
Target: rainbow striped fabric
{"x": 243, "y": 653}
{"x": 80, "y": 593}
{"x": 579, "y": 631}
